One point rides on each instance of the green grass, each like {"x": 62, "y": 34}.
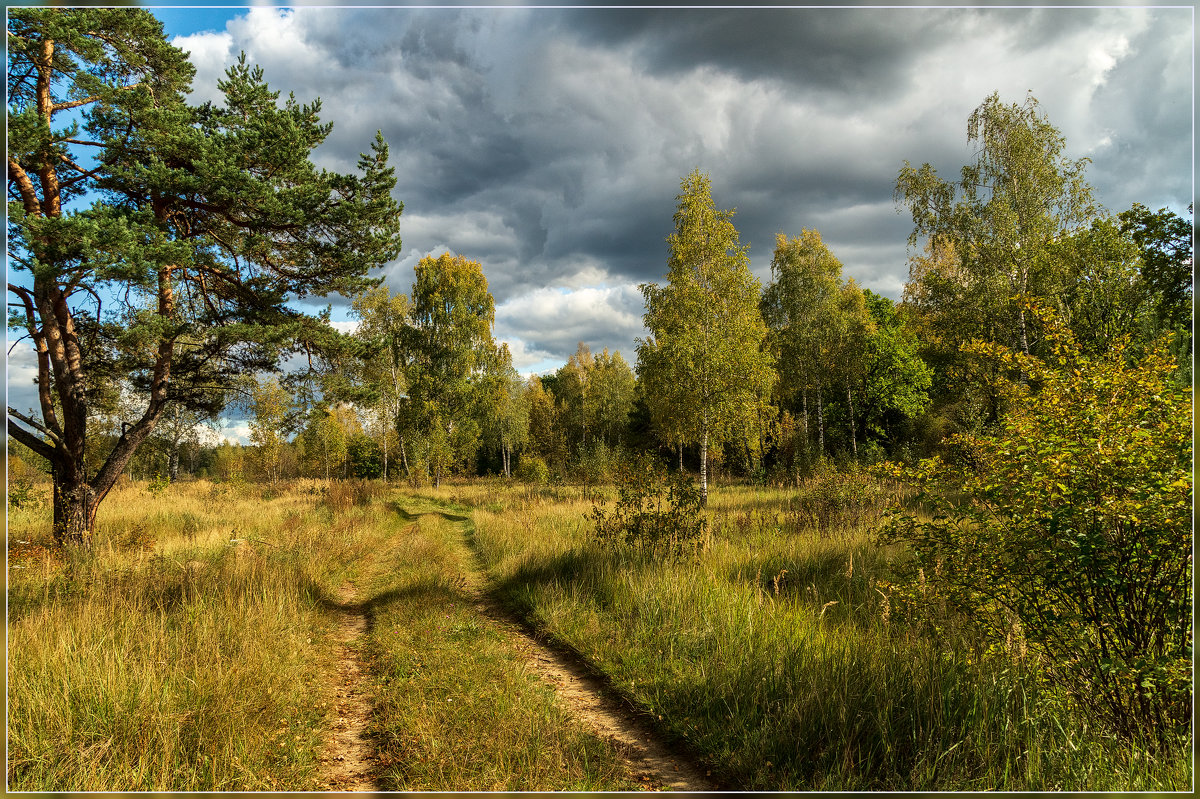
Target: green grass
{"x": 195, "y": 650}
{"x": 462, "y": 711}
{"x": 787, "y": 668}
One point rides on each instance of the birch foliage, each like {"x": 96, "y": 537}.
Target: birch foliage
{"x": 1004, "y": 213}
{"x": 704, "y": 363}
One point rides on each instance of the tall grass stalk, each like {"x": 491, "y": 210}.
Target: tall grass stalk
{"x": 189, "y": 653}
{"x": 774, "y": 653}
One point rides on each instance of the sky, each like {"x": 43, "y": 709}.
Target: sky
{"x": 549, "y": 143}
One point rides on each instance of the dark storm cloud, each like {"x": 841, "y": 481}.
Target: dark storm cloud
{"x": 428, "y": 94}
{"x": 462, "y": 148}
{"x": 627, "y": 233}
{"x": 1145, "y": 109}
{"x": 467, "y": 165}
{"x": 1028, "y": 30}
{"x": 848, "y": 50}
{"x": 550, "y": 144}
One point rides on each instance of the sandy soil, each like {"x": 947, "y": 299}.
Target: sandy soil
{"x": 349, "y": 758}
{"x": 589, "y": 700}
{"x": 586, "y": 697}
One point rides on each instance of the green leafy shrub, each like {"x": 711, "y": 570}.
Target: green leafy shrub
{"x": 1070, "y": 531}
{"x": 533, "y": 469}
{"x": 656, "y": 512}
{"x": 21, "y": 494}
{"x": 366, "y": 459}
{"x": 836, "y": 501}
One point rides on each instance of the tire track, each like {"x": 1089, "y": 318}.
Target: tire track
{"x": 586, "y": 694}
{"x": 349, "y": 761}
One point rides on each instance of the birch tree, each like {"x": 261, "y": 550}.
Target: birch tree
{"x": 269, "y": 406}
{"x": 507, "y": 408}
{"x": 800, "y": 306}
{"x": 1003, "y": 214}
{"x": 610, "y": 397}
{"x": 450, "y": 339}
{"x": 383, "y": 368}
{"x": 704, "y": 361}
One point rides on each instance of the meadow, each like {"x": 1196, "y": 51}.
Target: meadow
{"x": 787, "y": 655}
{"x": 193, "y": 650}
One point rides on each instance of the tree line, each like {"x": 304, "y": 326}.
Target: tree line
{"x": 768, "y": 380}
{"x": 159, "y": 248}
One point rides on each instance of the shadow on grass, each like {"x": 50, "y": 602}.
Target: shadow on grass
{"x": 409, "y": 516}
{"x": 836, "y": 580}
{"x": 430, "y": 590}
{"x": 590, "y": 573}
{"x": 403, "y": 513}
{"x": 765, "y": 721}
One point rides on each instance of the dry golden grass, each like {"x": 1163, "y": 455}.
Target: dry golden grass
{"x": 777, "y": 653}
{"x": 186, "y": 654}
{"x": 194, "y": 649}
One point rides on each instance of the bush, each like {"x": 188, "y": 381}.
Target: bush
{"x": 597, "y": 463}
{"x": 342, "y": 495}
{"x": 656, "y": 512}
{"x": 365, "y": 457}
{"x": 533, "y": 469}
{"x": 838, "y": 501}
{"x": 1070, "y": 531}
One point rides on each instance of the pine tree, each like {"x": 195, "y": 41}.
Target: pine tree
{"x": 208, "y": 222}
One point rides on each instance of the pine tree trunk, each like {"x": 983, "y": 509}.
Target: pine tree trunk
{"x": 75, "y": 506}
{"x": 76, "y": 498}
